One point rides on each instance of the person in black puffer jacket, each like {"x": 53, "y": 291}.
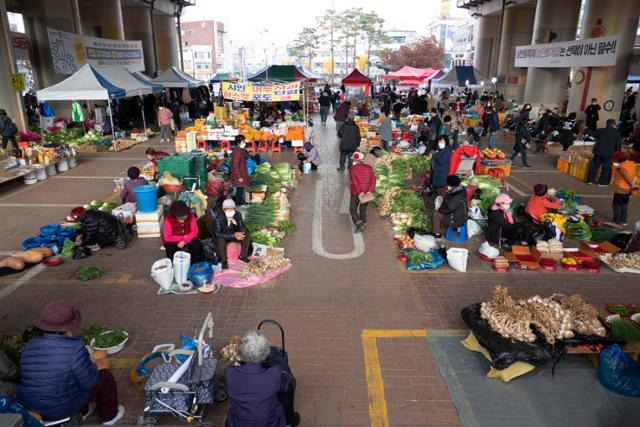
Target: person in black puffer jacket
{"x": 229, "y": 227}
{"x": 349, "y": 142}
{"x": 99, "y": 229}
{"x": 454, "y": 206}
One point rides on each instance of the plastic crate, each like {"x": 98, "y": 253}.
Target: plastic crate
{"x": 178, "y": 166}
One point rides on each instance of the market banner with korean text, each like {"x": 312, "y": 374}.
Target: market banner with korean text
{"x": 595, "y": 52}
{"x": 71, "y": 51}
{"x": 257, "y": 92}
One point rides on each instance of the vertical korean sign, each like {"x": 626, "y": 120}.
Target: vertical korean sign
{"x": 257, "y": 92}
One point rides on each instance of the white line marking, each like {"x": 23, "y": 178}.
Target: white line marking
{"x": 83, "y": 177}
{"x": 40, "y": 205}
{"x": 316, "y": 233}
{"x": 115, "y": 159}
{"x": 515, "y": 190}
{"x": 33, "y": 272}
{"x": 534, "y": 171}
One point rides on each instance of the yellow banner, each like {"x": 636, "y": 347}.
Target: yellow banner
{"x": 17, "y": 82}
{"x": 257, "y": 92}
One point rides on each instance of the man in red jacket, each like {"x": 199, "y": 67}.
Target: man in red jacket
{"x": 363, "y": 183}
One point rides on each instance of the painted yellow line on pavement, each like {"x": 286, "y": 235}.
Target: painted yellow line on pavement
{"x": 373, "y": 371}
{"x": 124, "y": 279}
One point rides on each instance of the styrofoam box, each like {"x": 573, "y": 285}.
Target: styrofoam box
{"x": 149, "y": 216}
{"x": 148, "y": 235}
{"x": 149, "y": 227}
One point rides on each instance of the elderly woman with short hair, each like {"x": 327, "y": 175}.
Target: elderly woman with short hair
{"x": 253, "y": 386}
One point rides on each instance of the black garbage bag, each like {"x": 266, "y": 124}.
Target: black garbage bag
{"x": 81, "y": 252}
{"x": 209, "y": 251}
{"x": 503, "y": 351}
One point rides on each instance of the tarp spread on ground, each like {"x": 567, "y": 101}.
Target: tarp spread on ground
{"x": 459, "y": 76}
{"x": 281, "y": 73}
{"x": 172, "y": 77}
{"x": 86, "y": 83}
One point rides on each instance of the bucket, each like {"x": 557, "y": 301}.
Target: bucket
{"x": 41, "y": 173}
{"x": 63, "y": 166}
{"x": 147, "y": 196}
{"x": 51, "y": 170}
{"x": 72, "y": 162}
{"x": 30, "y": 178}
{"x": 181, "y": 264}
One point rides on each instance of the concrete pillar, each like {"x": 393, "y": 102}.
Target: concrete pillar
{"x": 137, "y": 26}
{"x": 607, "y": 84}
{"x": 166, "y": 41}
{"x": 486, "y": 37}
{"x": 517, "y": 28}
{"x": 548, "y": 86}
{"x": 102, "y": 18}
{"x": 10, "y": 100}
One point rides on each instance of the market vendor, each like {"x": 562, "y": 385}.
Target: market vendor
{"x": 231, "y": 228}
{"x": 128, "y": 195}
{"x": 239, "y": 173}
{"x": 502, "y": 228}
{"x": 452, "y": 207}
{"x": 309, "y": 155}
{"x": 467, "y": 150}
{"x": 363, "y": 110}
{"x": 257, "y": 389}
{"x": 440, "y": 164}
{"x": 58, "y": 377}
{"x": 541, "y": 202}
{"x": 153, "y": 155}
{"x": 180, "y": 232}
{"x": 97, "y": 229}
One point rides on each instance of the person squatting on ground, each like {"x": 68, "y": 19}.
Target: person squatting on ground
{"x": 309, "y": 155}
{"x": 540, "y": 203}
{"x": 231, "y": 228}
{"x": 502, "y": 227}
{"x": 363, "y": 183}
{"x": 452, "y": 206}
{"x": 128, "y": 195}
{"x": 58, "y": 376}
{"x": 180, "y": 232}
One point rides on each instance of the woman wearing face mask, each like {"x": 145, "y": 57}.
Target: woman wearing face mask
{"x": 239, "y": 174}
{"x": 230, "y": 228}
{"x": 502, "y": 226}
{"x": 180, "y": 232}
{"x": 525, "y": 112}
{"x": 440, "y": 165}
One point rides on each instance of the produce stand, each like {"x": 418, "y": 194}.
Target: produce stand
{"x": 11, "y": 169}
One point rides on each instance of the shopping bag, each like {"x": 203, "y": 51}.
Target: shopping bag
{"x": 200, "y": 273}
{"x": 366, "y": 198}
{"x": 424, "y": 243}
{"x": 306, "y": 168}
{"x": 457, "y": 258}
{"x": 162, "y": 273}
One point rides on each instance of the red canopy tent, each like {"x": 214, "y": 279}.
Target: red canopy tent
{"x": 413, "y": 76}
{"x": 356, "y": 85}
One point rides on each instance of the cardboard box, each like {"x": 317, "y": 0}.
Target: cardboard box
{"x": 523, "y": 257}
{"x": 537, "y": 255}
{"x": 593, "y": 249}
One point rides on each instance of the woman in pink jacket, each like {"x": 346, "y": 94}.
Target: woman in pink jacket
{"x": 164, "y": 120}
{"x": 180, "y": 232}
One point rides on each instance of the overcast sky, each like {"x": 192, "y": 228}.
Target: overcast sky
{"x": 284, "y": 18}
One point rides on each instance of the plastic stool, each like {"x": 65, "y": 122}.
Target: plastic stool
{"x": 407, "y": 136}
{"x": 251, "y": 146}
{"x": 394, "y": 135}
{"x": 500, "y": 174}
{"x": 263, "y": 146}
{"x": 276, "y": 147}
{"x": 457, "y": 234}
{"x": 202, "y": 144}
{"x": 233, "y": 251}
{"x": 225, "y": 145}
{"x": 298, "y": 149}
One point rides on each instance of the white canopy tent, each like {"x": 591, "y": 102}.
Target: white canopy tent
{"x": 125, "y": 79}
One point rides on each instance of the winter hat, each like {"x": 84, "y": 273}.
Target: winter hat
{"x": 59, "y": 316}
{"x": 133, "y": 172}
{"x": 540, "y": 189}
{"x": 503, "y": 198}
{"x": 228, "y": 204}
{"x": 308, "y": 146}
{"x": 179, "y": 209}
{"x": 619, "y": 156}
{"x": 357, "y": 156}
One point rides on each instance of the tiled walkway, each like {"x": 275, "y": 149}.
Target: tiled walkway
{"x": 324, "y": 304}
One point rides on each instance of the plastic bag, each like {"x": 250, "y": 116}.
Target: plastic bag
{"x": 424, "y": 243}
{"x": 476, "y": 213}
{"x": 434, "y": 261}
{"x": 209, "y": 251}
{"x": 8, "y": 406}
{"x": 81, "y": 252}
{"x": 251, "y": 166}
{"x": 618, "y": 373}
{"x": 31, "y": 242}
{"x": 181, "y": 264}
{"x": 189, "y": 343}
{"x": 457, "y": 258}
{"x": 489, "y": 251}
{"x": 503, "y": 351}
{"x": 67, "y": 248}
{"x": 200, "y": 273}
{"x": 473, "y": 228}
{"x": 162, "y": 273}
{"x": 50, "y": 230}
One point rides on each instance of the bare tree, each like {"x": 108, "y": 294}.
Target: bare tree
{"x": 305, "y": 44}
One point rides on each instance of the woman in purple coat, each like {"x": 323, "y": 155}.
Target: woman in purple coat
{"x": 253, "y": 387}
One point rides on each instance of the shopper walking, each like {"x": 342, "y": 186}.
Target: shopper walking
{"x": 434, "y": 129}
{"x": 341, "y": 115}
{"x": 349, "y": 135}
{"x": 239, "y": 174}
{"x": 624, "y": 180}
{"x": 593, "y": 115}
{"x": 491, "y": 123}
{"x": 164, "y": 120}
{"x": 8, "y": 130}
{"x": 325, "y": 105}
{"x": 363, "y": 183}
{"x": 568, "y": 132}
{"x": 386, "y": 132}
{"x": 608, "y": 141}
{"x": 523, "y": 141}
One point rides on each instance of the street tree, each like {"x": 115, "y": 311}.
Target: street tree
{"x": 370, "y": 25}
{"x": 423, "y": 53}
{"x": 305, "y": 44}
{"x": 349, "y": 32}
{"x": 328, "y": 26}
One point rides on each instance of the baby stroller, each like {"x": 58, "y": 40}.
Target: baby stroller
{"x": 182, "y": 389}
